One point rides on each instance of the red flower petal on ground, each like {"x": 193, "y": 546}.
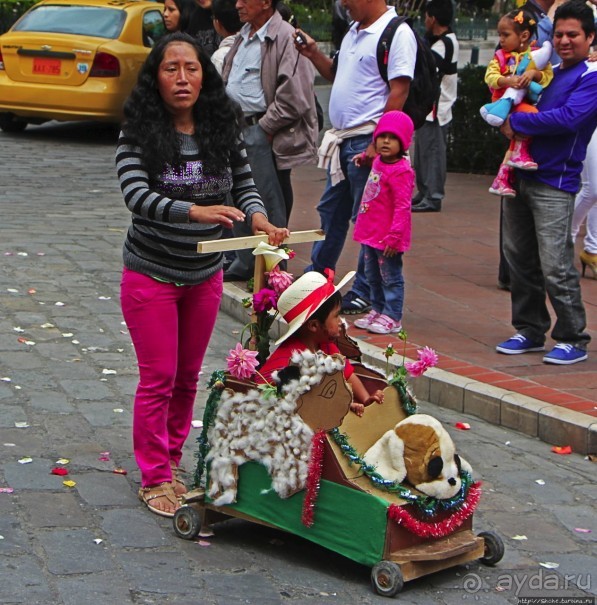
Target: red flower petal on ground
{"x": 59, "y": 471}
{"x": 562, "y": 450}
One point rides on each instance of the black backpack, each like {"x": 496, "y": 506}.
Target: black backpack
{"x": 425, "y": 85}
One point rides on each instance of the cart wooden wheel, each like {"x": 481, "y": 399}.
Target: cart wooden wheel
{"x": 494, "y": 548}
{"x": 187, "y": 523}
{"x": 386, "y": 578}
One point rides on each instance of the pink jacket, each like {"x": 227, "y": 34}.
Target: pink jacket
{"x": 384, "y": 217}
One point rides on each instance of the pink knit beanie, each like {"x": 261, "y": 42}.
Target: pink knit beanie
{"x": 397, "y": 123}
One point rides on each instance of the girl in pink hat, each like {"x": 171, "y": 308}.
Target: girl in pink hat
{"x": 383, "y": 224}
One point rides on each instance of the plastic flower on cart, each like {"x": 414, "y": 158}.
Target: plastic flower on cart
{"x": 279, "y": 280}
{"x": 272, "y": 255}
{"x": 426, "y": 358}
{"x": 265, "y": 300}
{"x": 265, "y": 305}
{"x": 242, "y": 363}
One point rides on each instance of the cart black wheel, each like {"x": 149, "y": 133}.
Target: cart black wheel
{"x": 494, "y": 548}
{"x": 187, "y": 523}
{"x": 386, "y": 579}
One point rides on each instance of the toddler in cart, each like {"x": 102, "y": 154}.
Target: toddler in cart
{"x": 311, "y": 307}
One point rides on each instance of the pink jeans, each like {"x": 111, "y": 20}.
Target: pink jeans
{"x": 170, "y": 327}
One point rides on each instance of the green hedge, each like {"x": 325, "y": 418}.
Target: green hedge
{"x": 11, "y": 10}
{"x": 473, "y": 145}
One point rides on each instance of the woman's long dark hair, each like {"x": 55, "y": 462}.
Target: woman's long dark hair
{"x": 149, "y": 123}
{"x": 186, "y": 9}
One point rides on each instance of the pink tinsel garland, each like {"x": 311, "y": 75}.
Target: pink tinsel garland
{"x": 313, "y": 478}
{"x": 439, "y": 529}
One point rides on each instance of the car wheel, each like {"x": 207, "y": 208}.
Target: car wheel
{"x": 10, "y": 123}
{"x": 386, "y": 579}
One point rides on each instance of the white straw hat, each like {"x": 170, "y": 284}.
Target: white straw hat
{"x": 304, "y": 296}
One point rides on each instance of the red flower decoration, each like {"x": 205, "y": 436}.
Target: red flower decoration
{"x": 264, "y": 300}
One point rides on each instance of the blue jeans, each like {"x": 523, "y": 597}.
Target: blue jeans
{"x": 339, "y": 205}
{"x": 386, "y": 283}
{"x": 539, "y": 250}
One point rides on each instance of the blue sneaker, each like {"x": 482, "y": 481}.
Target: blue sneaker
{"x": 563, "y": 354}
{"x": 518, "y": 344}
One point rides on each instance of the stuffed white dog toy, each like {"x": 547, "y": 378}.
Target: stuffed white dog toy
{"x": 419, "y": 450}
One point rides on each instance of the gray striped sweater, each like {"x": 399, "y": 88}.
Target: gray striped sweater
{"x": 161, "y": 241}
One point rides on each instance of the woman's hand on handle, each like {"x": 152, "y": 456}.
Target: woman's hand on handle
{"x": 216, "y": 215}
{"x": 275, "y": 235}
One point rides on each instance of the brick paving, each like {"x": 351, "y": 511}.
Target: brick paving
{"x": 452, "y": 301}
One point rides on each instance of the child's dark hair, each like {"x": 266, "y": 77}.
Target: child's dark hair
{"x": 522, "y": 21}
{"x": 328, "y": 306}
{"x": 442, "y": 10}
{"x": 225, "y": 12}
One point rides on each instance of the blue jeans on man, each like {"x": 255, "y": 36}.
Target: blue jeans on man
{"x": 339, "y": 205}
{"x": 539, "y": 249}
{"x": 265, "y": 174}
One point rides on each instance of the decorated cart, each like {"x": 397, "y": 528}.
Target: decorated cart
{"x": 386, "y": 490}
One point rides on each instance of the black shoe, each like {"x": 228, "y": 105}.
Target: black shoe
{"x": 417, "y": 199}
{"x": 427, "y": 206}
{"x": 231, "y": 276}
{"x": 352, "y": 304}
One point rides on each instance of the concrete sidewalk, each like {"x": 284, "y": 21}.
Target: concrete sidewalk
{"x": 453, "y": 305}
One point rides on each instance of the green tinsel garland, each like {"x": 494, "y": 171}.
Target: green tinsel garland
{"x": 408, "y": 401}
{"x": 209, "y": 415}
{"x": 426, "y": 504}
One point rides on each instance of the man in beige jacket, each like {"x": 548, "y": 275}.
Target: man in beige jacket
{"x": 273, "y": 84}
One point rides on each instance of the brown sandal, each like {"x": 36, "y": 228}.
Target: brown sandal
{"x": 177, "y": 480}
{"x": 164, "y": 490}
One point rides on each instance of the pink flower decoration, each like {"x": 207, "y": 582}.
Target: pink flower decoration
{"x": 427, "y": 359}
{"x": 415, "y": 368}
{"x": 428, "y": 356}
{"x": 264, "y": 300}
{"x": 242, "y": 363}
{"x": 279, "y": 280}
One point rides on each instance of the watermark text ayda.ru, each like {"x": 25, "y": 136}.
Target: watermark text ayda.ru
{"x": 539, "y": 581}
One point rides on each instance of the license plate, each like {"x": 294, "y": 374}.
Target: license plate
{"x": 46, "y": 67}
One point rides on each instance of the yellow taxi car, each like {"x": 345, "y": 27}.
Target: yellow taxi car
{"x": 74, "y": 60}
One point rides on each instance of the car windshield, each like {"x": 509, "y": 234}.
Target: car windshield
{"x": 81, "y": 20}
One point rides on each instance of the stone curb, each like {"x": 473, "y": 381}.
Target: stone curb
{"x": 547, "y": 422}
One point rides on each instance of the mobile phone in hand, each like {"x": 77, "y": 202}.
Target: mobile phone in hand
{"x": 300, "y": 40}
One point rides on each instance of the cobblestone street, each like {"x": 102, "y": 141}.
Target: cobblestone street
{"x": 68, "y": 374}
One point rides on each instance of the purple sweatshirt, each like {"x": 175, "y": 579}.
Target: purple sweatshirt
{"x": 563, "y": 127}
